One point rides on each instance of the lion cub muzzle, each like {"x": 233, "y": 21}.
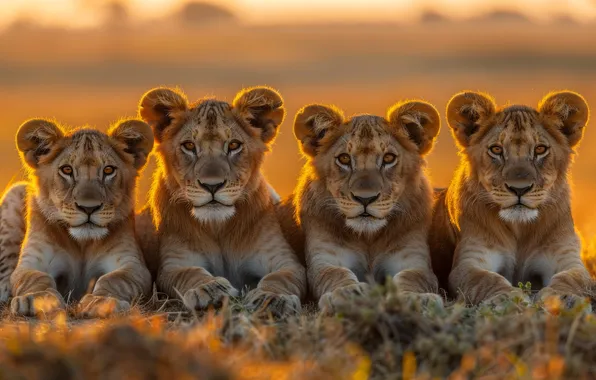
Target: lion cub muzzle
{"x": 365, "y": 190}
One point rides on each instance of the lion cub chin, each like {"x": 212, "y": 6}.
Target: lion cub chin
{"x": 210, "y": 229}
{"x": 363, "y": 202}
{"x": 78, "y": 236}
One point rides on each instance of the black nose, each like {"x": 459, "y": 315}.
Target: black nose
{"x": 212, "y": 188}
{"x": 365, "y": 201}
{"x": 88, "y": 209}
{"x": 520, "y": 191}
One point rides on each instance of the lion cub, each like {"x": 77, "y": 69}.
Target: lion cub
{"x": 506, "y": 217}
{"x": 217, "y": 232}
{"x": 363, "y": 200}
{"x": 79, "y": 218}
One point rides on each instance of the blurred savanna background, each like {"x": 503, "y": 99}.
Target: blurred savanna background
{"x": 89, "y": 61}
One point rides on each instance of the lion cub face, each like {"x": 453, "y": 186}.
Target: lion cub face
{"x": 85, "y": 179}
{"x": 367, "y": 161}
{"x": 212, "y": 149}
{"x": 519, "y": 154}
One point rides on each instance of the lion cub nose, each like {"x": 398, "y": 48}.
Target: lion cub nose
{"x": 212, "y": 187}
{"x": 519, "y": 191}
{"x": 89, "y": 209}
{"x": 365, "y": 201}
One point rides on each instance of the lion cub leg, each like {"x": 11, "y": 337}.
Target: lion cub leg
{"x": 328, "y": 270}
{"x": 182, "y": 275}
{"x": 280, "y": 291}
{"x": 475, "y": 276}
{"x": 126, "y": 279}
{"x": 12, "y": 233}
{"x": 412, "y": 272}
{"x": 571, "y": 281}
{"x": 33, "y": 286}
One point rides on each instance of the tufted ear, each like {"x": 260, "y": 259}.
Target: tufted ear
{"x": 159, "y": 106}
{"x": 464, "y": 111}
{"x": 137, "y": 138}
{"x": 568, "y": 111}
{"x": 419, "y": 120}
{"x": 263, "y": 108}
{"x": 312, "y": 123}
{"x": 35, "y": 138}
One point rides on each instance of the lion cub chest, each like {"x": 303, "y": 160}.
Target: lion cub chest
{"x": 76, "y": 273}
{"x": 243, "y": 268}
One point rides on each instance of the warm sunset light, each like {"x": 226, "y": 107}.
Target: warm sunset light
{"x": 85, "y": 13}
{"x": 297, "y": 189}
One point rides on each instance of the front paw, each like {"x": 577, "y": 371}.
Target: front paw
{"x": 92, "y": 306}
{"x": 212, "y": 293}
{"x": 278, "y": 305}
{"x": 424, "y": 300}
{"x": 504, "y": 300}
{"x": 37, "y": 303}
{"x": 553, "y": 300}
{"x": 331, "y": 300}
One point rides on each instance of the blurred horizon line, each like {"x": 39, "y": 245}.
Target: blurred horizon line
{"x": 121, "y": 14}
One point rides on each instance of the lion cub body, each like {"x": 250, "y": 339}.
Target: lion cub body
{"x": 79, "y": 240}
{"x": 212, "y": 209}
{"x": 362, "y": 207}
{"x": 506, "y": 217}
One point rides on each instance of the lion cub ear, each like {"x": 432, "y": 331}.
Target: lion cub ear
{"x": 464, "y": 112}
{"x": 262, "y": 108}
{"x": 312, "y": 123}
{"x": 568, "y": 111}
{"x": 137, "y": 138}
{"x": 158, "y": 107}
{"x": 419, "y": 120}
{"x": 35, "y": 138}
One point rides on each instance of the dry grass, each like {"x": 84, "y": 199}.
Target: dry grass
{"x": 381, "y": 336}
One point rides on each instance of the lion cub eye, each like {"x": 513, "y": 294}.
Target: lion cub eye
{"x": 540, "y": 150}
{"x": 344, "y": 159}
{"x": 234, "y": 145}
{"x": 66, "y": 169}
{"x": 109, "y": 170}
{"x": 389, "y": 158}
{"x": 496, "y": 150}
{"x": 189, "y": 145}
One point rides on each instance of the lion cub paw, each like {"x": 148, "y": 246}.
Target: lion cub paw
{"x": 552, "y": 300}
{"x": 92, "y": 306}
{"x": 278, "y": 305}
{"x": 33, "y": 304}
{"x": 330, "y": 300}
{"x": 211, "y": 293}
{"x": 502, "y": 301}
{"x": 425, "y": 299}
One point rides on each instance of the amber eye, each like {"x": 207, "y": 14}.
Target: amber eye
{"x": 109, "y": 170}
{"x": 496, "y": 150}
{"x": 389, "y": 158}
{"x": 344, "y": 159}
{"x": 234, "y": 145}
{"x": 66, "y": 169}
{"x": 540, "y": 149}
{"x": 189, "y": 145}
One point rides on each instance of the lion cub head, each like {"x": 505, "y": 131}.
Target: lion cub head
{"x": 85, "y": 179}
{"x": 519, "y": 155}
{"x": 367, "y": 162}
{"x": 212, "y": 150}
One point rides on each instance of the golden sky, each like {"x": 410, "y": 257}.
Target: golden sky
{"x": 81, "y": 13}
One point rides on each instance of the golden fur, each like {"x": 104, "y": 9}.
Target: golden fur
{"x": 506, "y": 216}
{"x": 12, "y": 232}
{"x": 80, "y": 218}
{"x": 346, "y": 242}
{"x": 211, "y": 206}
